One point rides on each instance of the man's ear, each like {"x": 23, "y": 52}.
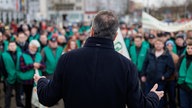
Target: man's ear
{"x": 92, "y": 32}
{"x": 115, "y": 35}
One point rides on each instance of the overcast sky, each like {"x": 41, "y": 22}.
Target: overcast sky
{"x": 157, "y": 3}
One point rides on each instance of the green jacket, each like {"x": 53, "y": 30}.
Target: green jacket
{"x": 6, "y": 43}
{"x": 11, "y": 68}
{"x": 185, "y": 75}
{"x": 51, "y": 60}
{"x": 28, "y": 75}
{"x": 127, "y": 42}
{"x": 36, "y": 37}
{"x": 138, "y": 60}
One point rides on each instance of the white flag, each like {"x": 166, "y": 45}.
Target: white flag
{"x": 120, "y": 46}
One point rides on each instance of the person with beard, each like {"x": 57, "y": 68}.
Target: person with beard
{"x": 185, "y": 78}
{"x": 10, "y": 67}
{"x": 22, "y": 42}
{"x": 51, "y": 55}
{"x": 29, "y": 62}
{"x": 157, "y": 67}
{"x": 180, "y": 45}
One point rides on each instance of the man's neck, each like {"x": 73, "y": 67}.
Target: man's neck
{"x": 34, "y": 34}
{"x": 159, "y": 52}
{"x": 52, "y": 48}
{"x": 12, "y": 52}
{"x": 138, "y": 46}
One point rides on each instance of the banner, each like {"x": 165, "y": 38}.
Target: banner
{"x": 119, "y": 45}
{"x": 149, "y": 22}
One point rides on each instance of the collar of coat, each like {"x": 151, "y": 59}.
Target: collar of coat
{"x": 165, "y": 53}
{"x": 99, "y": 42}
{"x": 189, "y": 57}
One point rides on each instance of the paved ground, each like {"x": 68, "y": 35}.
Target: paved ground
{"x": 13, "y": 104}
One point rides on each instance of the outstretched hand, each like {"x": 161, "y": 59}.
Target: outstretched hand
{"x": 36, "y": 77}
{"x": 160, "y": 94}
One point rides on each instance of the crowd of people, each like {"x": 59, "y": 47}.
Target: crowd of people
{"x": 26, "y": 48}
{"x": 160, "y": 57}
{"x": 164, "y": 58}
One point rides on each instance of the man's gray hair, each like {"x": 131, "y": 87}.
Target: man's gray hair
{"x": 35, "y": 43}
{"x": 105, "y": 25}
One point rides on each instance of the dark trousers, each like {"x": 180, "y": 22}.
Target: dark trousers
{"x": 161, "y": 87}
{"x": 170, "y": 90}
{"x": 185, "y": 98}
{"x": 142, "y": 84}
{"x": 28, "y": 94}
{"x": 8, "y": 93}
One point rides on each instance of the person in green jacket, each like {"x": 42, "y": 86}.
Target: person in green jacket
{"x": 138, "y": 52}
{"x": 21, "y": 41}
{"x": 34, "y": 34}
{"x": 185, "y": 78}
{"x": 10, "y": 68}
{"x": 51, "y": 54}
{"x": 30, "y": 61}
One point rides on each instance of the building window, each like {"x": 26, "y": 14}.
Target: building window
{"x": 64, "y": 7}
{"x": 78, "y": 8}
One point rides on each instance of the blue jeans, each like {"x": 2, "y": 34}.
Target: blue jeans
{"x": 185, "y": 99}
{"x": 161, "y": 87}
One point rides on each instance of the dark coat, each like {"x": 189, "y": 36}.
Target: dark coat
{"x": 95, "y": 76}
{"x": 156, "y": 67}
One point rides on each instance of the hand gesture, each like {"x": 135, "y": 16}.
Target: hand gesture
{"x": 160, "y": 94}
{"x": 36, "y": 65}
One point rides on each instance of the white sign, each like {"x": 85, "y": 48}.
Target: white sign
{"x": 149, "y": 22}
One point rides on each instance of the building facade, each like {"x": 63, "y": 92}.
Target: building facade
{"x": 12, "y": 10}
